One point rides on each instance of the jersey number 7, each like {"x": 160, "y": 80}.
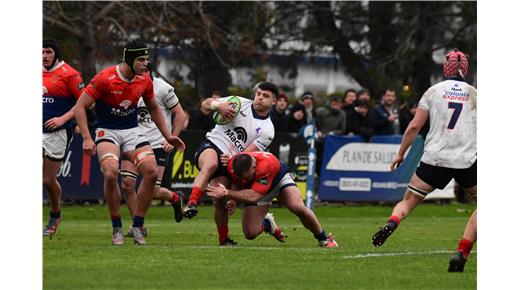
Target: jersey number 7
{"x": 457, "y": 108}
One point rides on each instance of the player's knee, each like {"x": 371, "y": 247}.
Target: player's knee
{"x": 49, "y": 180}
{"x": 250, "y": 235}
{"x": 110, "y": 174}
{"x": 210, "y": 166}
{"x": 150, "y": 173}
{"x": 127, "y": 184}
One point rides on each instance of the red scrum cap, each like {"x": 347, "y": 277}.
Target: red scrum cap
{"x": 456, "y": 64}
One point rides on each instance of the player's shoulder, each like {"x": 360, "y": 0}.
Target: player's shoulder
{"x": 67, "y": 69}
{"x": 160, "y": 84}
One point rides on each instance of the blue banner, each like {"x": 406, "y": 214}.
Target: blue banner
{"x": 354, "y": 170}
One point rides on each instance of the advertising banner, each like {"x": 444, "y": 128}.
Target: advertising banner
{"x": 353, "y": 170}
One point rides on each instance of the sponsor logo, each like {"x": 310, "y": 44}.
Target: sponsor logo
{"x": 101, "y": 133}
{"x": 65, "y": 166}
{"x": 143, "y": 116}
{"x": 117, "y": 93}
{"x": 125, "y": 104}
{"x": 456, "y": 95}
{"x": 258, "y": 130}
{"x": 263, "y": 181}
{"x": 355, "y": 184}
{"x": 81, "y": 86}
{"x": 364, "y": 157}
{"x": 237, "y": 136}
{"x": 45, "y": 90}
{"x": 111, "y": 77}
{"x": 47, "y": 100}
{"x": 243, "y": 114}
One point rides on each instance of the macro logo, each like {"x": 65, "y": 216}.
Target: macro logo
{"x": 238, "y": 137}
{"x": 143, "y": 116}
{"x": 125, "y": 104}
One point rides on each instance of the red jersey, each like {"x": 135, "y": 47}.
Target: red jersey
{"x": 269, "y": 171}
{"x": 62, "y": 85}
{"x": 117, "y": 98}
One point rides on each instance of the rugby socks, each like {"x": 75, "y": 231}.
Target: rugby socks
{"x": 222, "y": 233}
{"x": 321, "y": 236}
{"x": 394, "y": 221}
{"x": 196, "y": 194}
{"x": 138, "y": 221}
{"x": 55, "y": 214}
{"x": 465, "y": 247}
{"x": 116, "y": 221}
{"x": 175, "y": 197}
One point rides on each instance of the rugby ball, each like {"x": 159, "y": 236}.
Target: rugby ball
{"x": 235, "y": 103}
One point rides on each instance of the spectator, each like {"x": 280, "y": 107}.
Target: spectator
{"x": 349, "y": 98}
{"x": 302, "y": 113}
{"x": 279, "y": 115}
{"x": 364, "y": 95}
{"x": 385, "y": 115}
{"x": 360, "y": 122}
{"x": 199, "y": 120}
{"x": 332, "y": 118}
{"x": 406, "y": 115}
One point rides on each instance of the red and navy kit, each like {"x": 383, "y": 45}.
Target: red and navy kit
{"x": 117, "y": 98}
{"x": 269, "y": 172}
{"x": 62, "y": 85}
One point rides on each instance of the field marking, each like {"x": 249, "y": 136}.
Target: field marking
{"x": 370, "y": 255}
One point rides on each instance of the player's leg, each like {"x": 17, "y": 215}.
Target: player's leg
{"x": 162, "y": 192}
{"x": 144, "y": 159}
{"x": 290, "y": 197}
{"x": 54, "y": 149}
{"x": 220, "y": 214}
{"x": 467, "y": 178}
{"x": 208, "y": 162}
{"x": 53, "y": 188}
{"x": 108, "y": 156}
{"x": 253, "y": 217}
{"x": 128, "y": 182}
{"x": 414, "y": 195}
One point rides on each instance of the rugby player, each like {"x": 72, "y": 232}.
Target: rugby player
{"x": 62, "y": 85}
{"x": 250, "y": 130}
{"x": 174, "y": 116}
{"x": 257, "y": 178}
{"x": 450, "y": 150}
{"x": 116, "y": 91}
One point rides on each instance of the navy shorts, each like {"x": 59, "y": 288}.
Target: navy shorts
{"x": 439, "y": 177}
{"x": 208, "y": 145}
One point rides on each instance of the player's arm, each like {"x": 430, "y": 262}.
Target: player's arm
{"x": 178, "y": 120}
{"x": 221, "y": 105}
{"x": 421, "y": 116}
{"x": 84, "y": 102}
{"x": 244, "y": 195}
{"x": 158, "y": 119}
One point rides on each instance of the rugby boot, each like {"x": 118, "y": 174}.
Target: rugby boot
{"x": 52, "y": 226}
{"x": 228, "y": 242}
{"x": 177, "y": 207}
{"x": 138, "y": 237}
{"x": 190, "y": 211}
{"x": 329, "y": 242}
{"x": 143, "y": 229}
{"x": 380, "y": 237}
{"x": 117, "y": 236}
{"x": 457, "y": 262}
{"x": 273, "y": 228}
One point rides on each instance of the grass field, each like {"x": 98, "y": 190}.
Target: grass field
{"x": 186, "y": 255}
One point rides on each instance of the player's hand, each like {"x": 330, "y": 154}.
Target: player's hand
{"x": 216, "y": 191}
{"x": 231, "y": 206}
{"x": 89, "y": 147}
{"x": 398, "y": 159}
{"x": 167, "y": 147}
{"x": 227, "y": 110}
{"x": 54, "y": 123}
{"x": 224, "y": 159}
{"x": 176, "y": 142}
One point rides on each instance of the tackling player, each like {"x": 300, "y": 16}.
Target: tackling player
{"x": 257, "y": 178}
{"x": 450, "y": 150}
{"x": 116, "y": 91}
{"x": 62, "y": 85}
{"x": 170, "y": 106}
{"x": 250, "y": 130}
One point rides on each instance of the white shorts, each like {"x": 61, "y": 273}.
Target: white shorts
{"x": 286, "y": 181}
{"x": 55, "y": 144}
{"x": 128, "y": 139}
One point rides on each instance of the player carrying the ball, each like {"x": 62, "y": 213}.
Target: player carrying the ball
{"x": 250, "y": 129}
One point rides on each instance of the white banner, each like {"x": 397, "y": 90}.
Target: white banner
{"x": 374, "y": 157}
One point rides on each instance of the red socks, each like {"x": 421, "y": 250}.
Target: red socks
{"x": 222, "y": 233}
{"x": 465, "y": 247}
{"x": 175, "y": 197}
{"x": 196, "y": 194}
{"x": 394, "y": 219}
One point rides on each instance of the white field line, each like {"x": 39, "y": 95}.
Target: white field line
{"x": 424, "y": 253}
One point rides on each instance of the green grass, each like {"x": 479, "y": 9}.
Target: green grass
{"x": 186, "y": 255}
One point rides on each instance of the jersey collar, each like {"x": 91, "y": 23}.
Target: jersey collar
{"x": 456, "y": 79}
{"x": 256, "y": 116}
{"x": 55, "y": 67}
{"x": 121, "y": 76}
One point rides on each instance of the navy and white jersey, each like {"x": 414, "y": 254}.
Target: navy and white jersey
{"x": 452, "y": 139}
{"x": 246, "y": 128}
{"x": 166, "y": 99}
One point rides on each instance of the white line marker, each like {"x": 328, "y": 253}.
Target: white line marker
{"x": 370, "y": 255}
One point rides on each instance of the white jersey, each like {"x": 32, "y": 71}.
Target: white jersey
{"x": 247, "y": 128}
{"x": 166, "y": 99}
{"x": 452, "y": 139}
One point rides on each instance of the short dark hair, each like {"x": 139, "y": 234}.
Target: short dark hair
{"x": 241, "y": 164}
{"x": 268, "y": 86}
{"x": 362, "y": 91}
{"x": 349, "y": 91}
